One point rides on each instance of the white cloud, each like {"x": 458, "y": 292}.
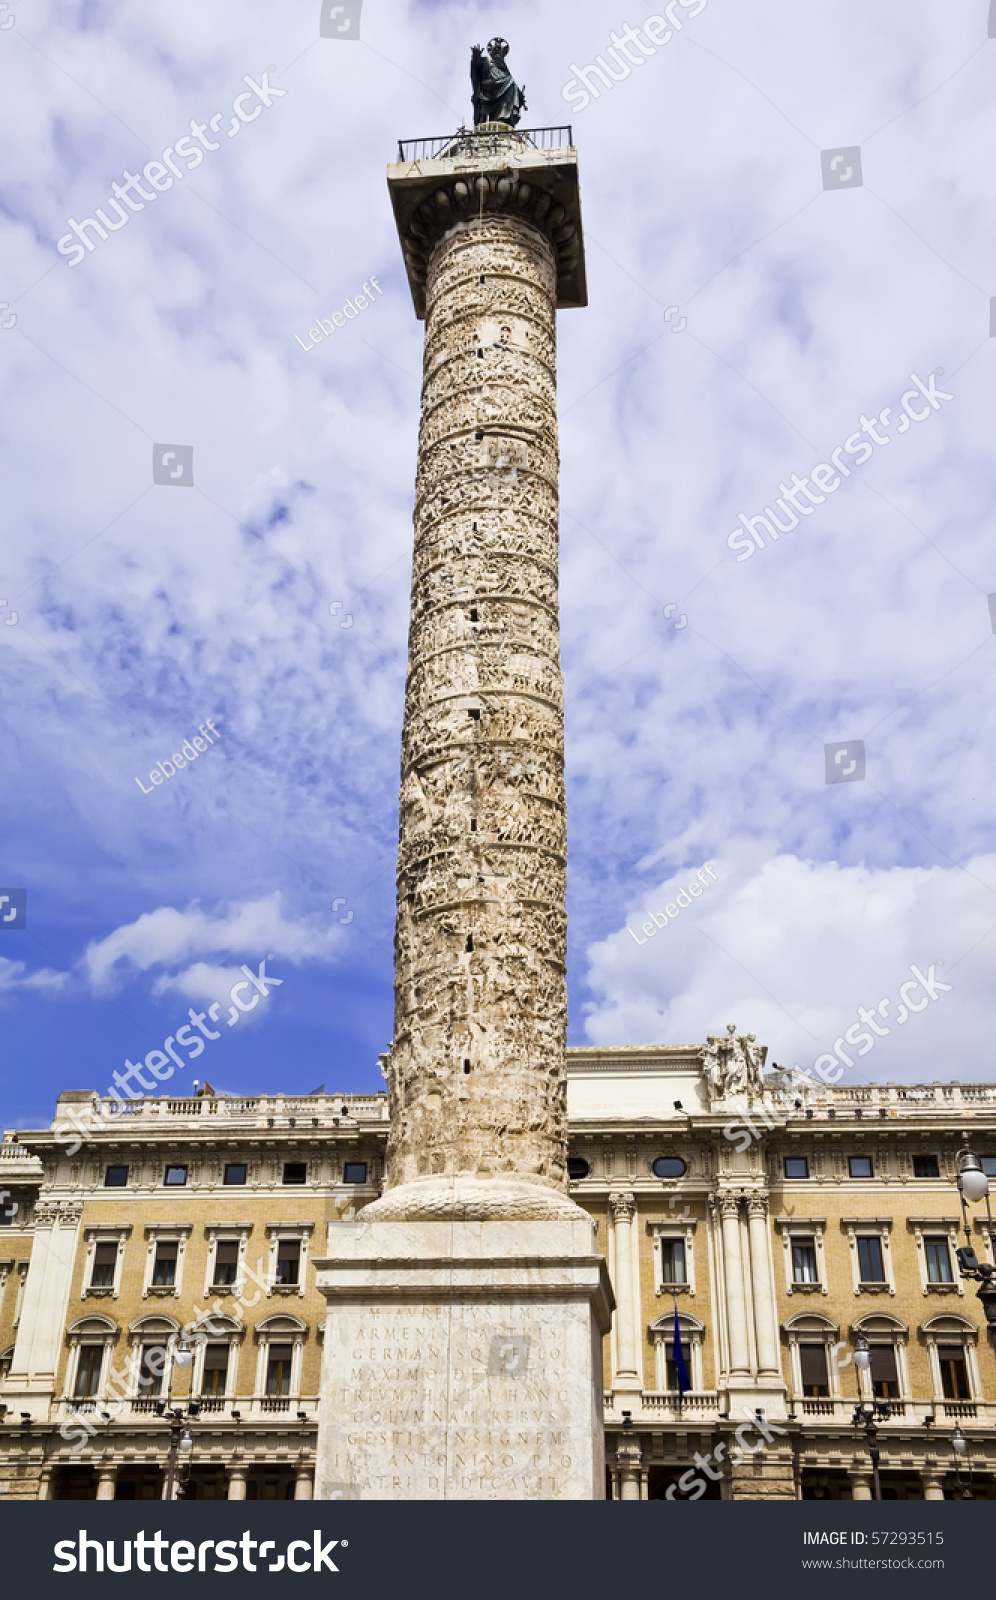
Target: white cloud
{"x": 168, "y": 938}
{"x": 14, "y": 975}
{"x": 789, "y": 949}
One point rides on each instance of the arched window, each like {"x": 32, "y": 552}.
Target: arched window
{"x": 887, "y": 1338}
{"x": 280, "y": 1341}
{"x": 91, "y": 1340}
{"x": 661, "y": 1334}
{"x": 815, "y": 1374}
{"x": 952, "y": 1350}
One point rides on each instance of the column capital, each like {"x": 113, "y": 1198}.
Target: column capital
{"x": 622, "y": 1203}
{"x": 758, "y": 1203}
{"x": 727, "y": 1202}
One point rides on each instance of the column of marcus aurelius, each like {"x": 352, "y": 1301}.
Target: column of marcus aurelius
{"x": 471, "y": 1291}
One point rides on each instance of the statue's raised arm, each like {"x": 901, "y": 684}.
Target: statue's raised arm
{"x": 497, "y": 97}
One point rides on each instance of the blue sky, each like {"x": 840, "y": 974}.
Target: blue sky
{"x": 143, "y": 609}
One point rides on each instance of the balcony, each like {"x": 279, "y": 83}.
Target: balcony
{"x": 493, "y": 141}
{"x": 664, "y": 1406}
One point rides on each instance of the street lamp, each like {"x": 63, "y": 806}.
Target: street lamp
{"x": 869, "y": 1412}
{"x": 959, "y": 1445}
{"x": 973, "y": 1185}
{"x": 181, "y": 1442}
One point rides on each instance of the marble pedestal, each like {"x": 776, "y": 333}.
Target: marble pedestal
{"x": 463, "y": 1361}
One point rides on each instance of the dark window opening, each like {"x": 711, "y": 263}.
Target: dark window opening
{"x": 470, "y": 941}
{"x": 104, "y": 1262}
{"x": 473, "y": 824}
{"x": 175, "y": 1176}
{"x": 988, "y": 1165}
{"x": 938, "y": 1260}
{"x": 871, "y": 1266}
{"x": 115, "y": 1177}
{"x": 804, "y": 1261}
{"x": 926, "y": 1167}
{"x": 278, "y": 1369}
{"x": 164, "y": 1270}
{"x": 297, "y": 1171}
{"x": 476, "y": 715}
{"x": 577, "y": 1168}
{"x": 215, "y": 1369}
{"x": 150, "y": 1377}
{"x": 673, "y": 1261}
{"x": 884, "y": 1372}
{"x": 355, "y": 1172}
{"x": 473, "y": 613}
{"x": 954, "y": 1372}
{"x": 235, "y": 1172}
{"x": 480, "y": 353}
{"x": 813, "y": 1365}
{"x": 288, "y": 1261}
{"x": 88, "y": 1371}
{"x": 669, "y": 1167}
{"x": 796, "y": 1166}
{"x": 226, "y": 1262}
{"x": 860, "y": 1167}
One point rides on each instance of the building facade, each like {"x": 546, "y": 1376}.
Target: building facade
{"x": 778, "y": 1226}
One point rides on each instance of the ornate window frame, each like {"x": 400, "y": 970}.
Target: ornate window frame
{"x": 884, "y": 1327}
{"x": 950, "y": 1328}
{"x": 693, "y": 1332}
{"x": 682, "y": 1228}
{"x": 923, "y": 1228}
{"x": 223, "y": 1330}
{"x": 104, "y": 1233}
{"x": 92, "y": 1329}
{"x": 277, "y": 1231}
{"x": 812, "y": 1327}
{"x": 281, "y": 1327}
{"x": 155, "y": 1327}
{"x": 866, "y": 1227}
{"x": 158, "y": 1233}
{"x": 804, "y": 1228}
{"x": 215, "y": 1233}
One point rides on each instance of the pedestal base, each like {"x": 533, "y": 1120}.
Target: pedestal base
{"x": 463, "y": 1361}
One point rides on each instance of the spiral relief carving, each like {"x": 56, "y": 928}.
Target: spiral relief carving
{"x": 476, "y": 1069}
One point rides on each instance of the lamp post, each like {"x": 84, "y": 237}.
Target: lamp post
{"x": 973, "y": 1185}
{"x": 959, "y": 1445}
{"x": 181, "y": 1441}
{"x": 869, "y": 1411}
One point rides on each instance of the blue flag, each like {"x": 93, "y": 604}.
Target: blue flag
{"x": 678, "y": 1357}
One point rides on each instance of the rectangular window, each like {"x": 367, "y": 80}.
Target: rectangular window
{"x": 938, "y": 1261}
{"x": 105, "y": 1259}
{"x": 288, "y": 1260}
{"x": 175, "y": 1176}
{"x": 88, "y": 1371}
{"x": 150, "y": 1377}
{"x": 796, "y": 1166}
{"x": 235, "y": 1172}
{"x": 226, "y": 1262}
{"x": 954, "y": 1372}
{"x": 926, "y": 1167}
{"x": 115, "y": 1177}
{"x": 804, "y": 1261}
{"x": 884, "y": 1372}
{"x": 215, "y": 1369}
{"x": 670, "y": 1366}
{"x": 871, "y": 1266}
{"x": 860, "y": 1167}
{"x": 356, "y": 1172}
{"x": 295, "y": 1172}
{"x": 164, "y": 1267}
{"x": 813, "y": 1366}
{"x": 278, "y": 1369}
{"x": 673, "y": 1261}
{"x": 988, "y": 1164}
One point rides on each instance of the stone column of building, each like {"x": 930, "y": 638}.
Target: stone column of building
{"x": 728, "y": 1206}
{"x": 629, "y": 1457}
{"x": 236, "y": 1483}
{"x": 765, "y": 1316}
{"x": 476, "y": 1178}
{"x": 861, "y": 1483}
{"x": 628, "y": 1374}
{"x": 933, "y": 1482}
{"x": 107, "y": 1476}
{"x": 303, "y": 1486}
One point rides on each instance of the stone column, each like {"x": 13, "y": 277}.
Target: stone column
{"x": 45, "y": 1483}
{"x": 476, "y": 1234}
{"x": 628, "y": 1458}
{"x": 933, "y": 1484}
{"x": 303, "y": 1485}
{"x": 236, "y": 1483}
{"x": 736, "y": 1309}
{"x": 106, "y": 1480}
{"x": 765, "y": 1324}
{"x": 861, "y": 1484}
{"x": 622, "y": 1205}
